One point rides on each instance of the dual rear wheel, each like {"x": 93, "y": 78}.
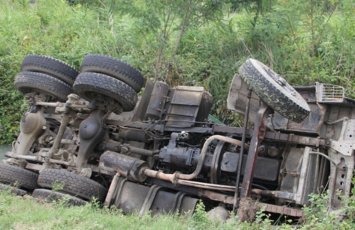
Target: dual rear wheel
{"x": 46, "y": 76}
{"x": 58, "y": 183}
{"x": 104, "y": 79}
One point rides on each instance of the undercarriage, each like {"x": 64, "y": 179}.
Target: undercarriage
{"x": 159, "y": 152}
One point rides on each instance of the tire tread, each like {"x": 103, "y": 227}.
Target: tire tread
{"x": 27, "y": 82}
{"x": 50, "y": 66}
{"x": 113, "y": 67}
{"x": 22, "y": 178}
{"x": 271, "y": 95}
{"x": 73, "y": 184}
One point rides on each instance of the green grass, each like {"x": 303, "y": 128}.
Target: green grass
{"x": 28, "y": 213}
{"x": 305, "y": 46}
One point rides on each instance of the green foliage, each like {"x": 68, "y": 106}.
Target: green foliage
{"x": 57, "y": 186}
{"x": 200, "y": 219}
{"x": 184, "y": 42}
{"x": 308, "y": 41}
{"x": 318, "y": 216}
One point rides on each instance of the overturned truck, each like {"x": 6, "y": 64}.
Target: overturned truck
{"x": 87, "y": 132}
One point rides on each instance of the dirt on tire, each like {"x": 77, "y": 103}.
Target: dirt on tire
{"x": 88, "y": 85}
{"x": 274, "y": 90}
{"x": 73, "y": 184}
{"x": 28, "y": 82}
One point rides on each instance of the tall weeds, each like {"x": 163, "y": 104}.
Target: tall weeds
{"x": 306, "y": 41}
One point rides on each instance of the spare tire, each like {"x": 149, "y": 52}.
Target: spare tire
{"x": 114, "y": 68}
{"x": 50, "y": 66}
{"x": 28, "y": 82}
{"x": 89, "y": 85}
{"x": 17, "y": 176}
{"x": 274, "y": 90}
{"x": 72, "y": 183}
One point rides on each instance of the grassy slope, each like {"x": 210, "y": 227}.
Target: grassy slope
{"x": 209, "y": 55}
{"x": 26, "y": 213}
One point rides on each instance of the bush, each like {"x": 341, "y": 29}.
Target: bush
{"x": 306, "y": 41}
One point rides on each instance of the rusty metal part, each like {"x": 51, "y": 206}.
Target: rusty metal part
{"x": 245, "y": 126}
{"x": 271, "y": 136}
{"x": 235, "y": 132}
{"x": 160, "y": 175}
{"x": 208, "y": 186}
{"x": 294, "y": 212}
{"x": 248, "y": 209}
{"x": 258, "y": 135}
{"x": 273, "y": 194}
{"x": 172, "y": 179}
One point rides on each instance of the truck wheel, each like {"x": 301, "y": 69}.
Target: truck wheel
{"x": 13, "y": 190}
{"x": 28, "y": 82}
{"x": 50, "y": 196}
{"x": 274, "y": 90}
{"x": 88, "y": 85}
{"x": 50, "y": 66}
{"x": 20, "y": 177}
{"x": 114, "y": 68}
{"x": 72, "y": 184}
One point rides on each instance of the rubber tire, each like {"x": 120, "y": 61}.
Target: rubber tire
{"x": 113, "y": 67}
{"x": 13, "y": 190}
{"x": 28, "y": 82}
{"x": 23, "y": 178}
{"x": 73, "y": 184}
{"x": 50, "y": 66}
{"x": 284, "y": 99}
{"x": 88, "y": 85}
{"x": 50, "y": 196}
